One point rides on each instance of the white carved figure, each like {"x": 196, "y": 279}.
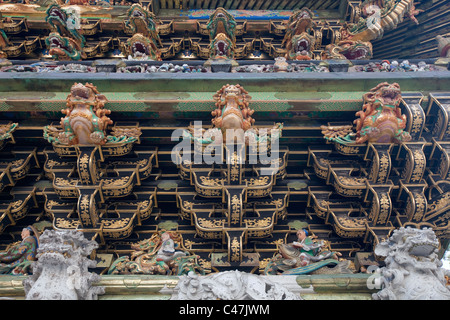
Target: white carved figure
{"x": 230, "y": 285}
{"x": 413, "y": 270}
{"x": 61, "y": 272}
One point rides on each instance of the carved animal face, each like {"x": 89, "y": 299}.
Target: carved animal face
{"x": 389, "y": 93}
{"x": 221, "y": 47}
{"x": 300, "y": 21}
{"x": 61, "y": 47}
{"x": 140, "y": 46}
{"x": 221, "y": 22}
{"x": 357, "y": 51}
{"x": 54, "y": 12}
{"x": 301, "y": 46}
{"x": 81, "y": 92}
{"x": 232, "y": 92}
{"x": 416, "y": 247}
{"x": 136, "y": 13}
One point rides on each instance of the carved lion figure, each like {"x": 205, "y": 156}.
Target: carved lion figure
{"x": 85, "y": 121}
{"x": 61, "y": 272}
{"x": 232, "y": 111}
{"x": 413, "y": 270}
{"x": 381, "y": 119}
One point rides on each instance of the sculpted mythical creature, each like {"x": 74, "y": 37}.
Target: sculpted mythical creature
{"x": 139, "y": 47}
{"x": 379, "y": 121}
{"x": 379, "y": 16}
{"x": 145, "y": 40}
{"x": 6, "y": 131}
{"x": 61, "y": 271}
{"x": 233, "y": 115}
{"x": 443, "y": 46}
{"x": 232, "y": 110}
{"x": 221, "y": 47}
{"x": 299, "y": 39}
{"x": 413, "y": 270}
{"x": 157, "y": 255}
{"x": 221, "y": 22}
{"x": 18, "y": 257}
{"x": 230, "y": 285}
{"x": 306, "y": 256}
{"x": 142, "y": 21}
{"x": 65, "y": 42}
{"x": 348, "y": 49}
{"x": 86, "y": 120}
{"x": 222, "y": 34}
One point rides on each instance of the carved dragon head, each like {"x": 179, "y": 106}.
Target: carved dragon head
{"x": 221, "y": 22}
{"x": 348, "y": 49}
{"x": 142, "y": 21}
{"x": 63, "y": 48}
{"x": 300, "y": 47}
{"x": 65, "y": 42}
{"x": 411, "y": 248}
{"x": 298, "y": 40}
{"x": 141, "y": 47}
{"x": 222, "y": 47}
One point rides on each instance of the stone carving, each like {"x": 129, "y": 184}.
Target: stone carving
{"x": 306, "y": 256}
{"x": 157, "y": 255}
{"x": 230, "y": 285}
{"x": 413, "y": 270}
{"x": 61, "y": 272}
{"x": 18, "y": 257}
{"x": 380, "y": 120}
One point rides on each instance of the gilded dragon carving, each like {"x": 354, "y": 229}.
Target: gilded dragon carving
{"x": 144, "y": 43}
{"x": 65, "y": 42}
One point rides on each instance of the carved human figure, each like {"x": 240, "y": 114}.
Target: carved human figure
{"x": 14, "y": 259}
{"x": 305, "y": 245}
{"x": 157, "y": 255}
{"x": 167, "y": 250}
{"x": 305, "y": 256}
